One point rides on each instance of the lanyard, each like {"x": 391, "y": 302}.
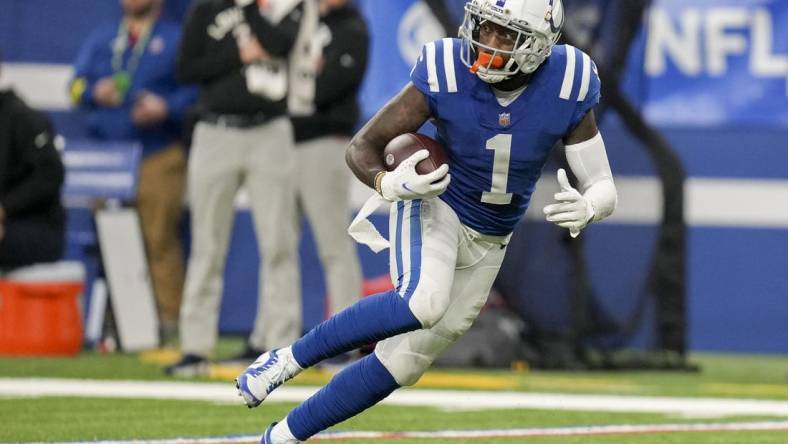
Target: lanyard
{"x": 122, "y": 76}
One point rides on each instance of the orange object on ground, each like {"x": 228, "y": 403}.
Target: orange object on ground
{"x": 40, "y": 311}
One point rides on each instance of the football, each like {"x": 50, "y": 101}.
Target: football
{"x": 402, "y": 146}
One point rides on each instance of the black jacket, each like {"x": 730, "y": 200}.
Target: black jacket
{"x": 31, "y": 171}
{"x": 209, "y": 55}
{"x": 339, "y": 81}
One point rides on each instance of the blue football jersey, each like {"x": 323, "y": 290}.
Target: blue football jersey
{"x": 496, "y": 153}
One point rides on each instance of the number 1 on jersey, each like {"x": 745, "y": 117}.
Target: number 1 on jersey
{"x": 502, "y": 148}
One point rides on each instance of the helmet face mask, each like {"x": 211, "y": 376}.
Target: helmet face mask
{"x": 534, "y": 25}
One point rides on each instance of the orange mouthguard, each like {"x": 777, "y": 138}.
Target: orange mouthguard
{"x": 484, "y": 60}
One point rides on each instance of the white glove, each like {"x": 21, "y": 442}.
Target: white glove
{"x": 573, "y": 211}
{"x": 404, "y": 183}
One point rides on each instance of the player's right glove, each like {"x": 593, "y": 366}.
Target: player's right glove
{"x": 404, "y": 183}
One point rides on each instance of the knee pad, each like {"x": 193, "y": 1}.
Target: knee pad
{"x": 407, "y": 370}
{"x": 409, "y": 355}
{"x": 429, "y": 305}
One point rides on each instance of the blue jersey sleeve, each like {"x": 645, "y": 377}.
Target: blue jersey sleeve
{"x": 590, "y": 90}
{"x": 418, "y": 74}
{"x": 436, "y": 70}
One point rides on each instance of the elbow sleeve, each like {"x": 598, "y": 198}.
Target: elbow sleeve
{"x": 588, "y": 161}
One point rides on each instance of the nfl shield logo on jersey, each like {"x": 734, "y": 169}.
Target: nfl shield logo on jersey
{"x": 505, "y": 119}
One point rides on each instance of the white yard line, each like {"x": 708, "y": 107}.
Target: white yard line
{"x": 624, "y": 429}
{"x": 465, "y": 400}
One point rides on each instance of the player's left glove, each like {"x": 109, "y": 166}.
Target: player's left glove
{"x": 573, "y": 210}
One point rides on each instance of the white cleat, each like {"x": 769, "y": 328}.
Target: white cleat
{"x": 268, "y": 372}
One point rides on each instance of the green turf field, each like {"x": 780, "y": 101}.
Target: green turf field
{"x": 75, "y": 419}
{"x": 85, "y": 419}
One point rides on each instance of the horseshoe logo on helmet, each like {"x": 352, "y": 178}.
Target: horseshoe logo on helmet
{"x": 555, "y": 16}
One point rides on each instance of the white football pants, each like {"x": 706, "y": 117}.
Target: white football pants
{"x": 445, "y": 271}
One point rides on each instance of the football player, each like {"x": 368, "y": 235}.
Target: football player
{"x": 501, "y": 96}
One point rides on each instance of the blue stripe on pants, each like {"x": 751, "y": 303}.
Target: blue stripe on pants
{"x": 415, "y": 248}
{"x": 398, "y": 246}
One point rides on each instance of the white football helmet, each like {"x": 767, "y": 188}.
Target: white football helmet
{"x": 538, "y": 25}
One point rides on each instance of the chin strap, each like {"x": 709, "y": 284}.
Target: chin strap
{"x": 491, "y": 78}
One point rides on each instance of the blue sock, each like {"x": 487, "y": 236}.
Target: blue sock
{"x": 351, "y": 391}
{"x": 369, "y": 320}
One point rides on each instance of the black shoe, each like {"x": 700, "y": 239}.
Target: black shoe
{"x": 188, "y": 367}
{"x": 245, "y": 357}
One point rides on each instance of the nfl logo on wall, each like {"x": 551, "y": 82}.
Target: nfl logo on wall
{"x": 505, "y": 119}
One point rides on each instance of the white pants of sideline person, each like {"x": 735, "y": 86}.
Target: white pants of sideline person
{"x": 262, "y": 159}
{"x": 324, "y": 198}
